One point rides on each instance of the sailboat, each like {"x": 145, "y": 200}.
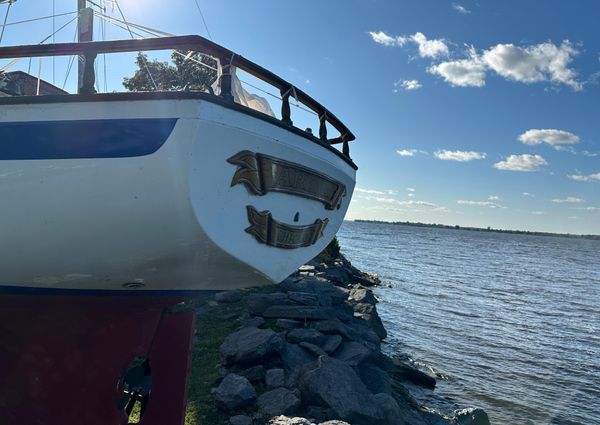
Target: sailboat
{"x": 162, "y": 192}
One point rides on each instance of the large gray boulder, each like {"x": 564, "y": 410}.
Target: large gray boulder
{"x": 352, "y": 353}
{"x": 375, "y": 378}
{"x": 301, "y": 312}
{"x": 240, "y": 420}
{"x": 249, "y": 344}
{"x": 284, "y": 420}
{"x": 275, "y": 378}
{"x": 228, "y": 296}
{"x": 258, "y": 303}
{"x": 332, "y": 383}
{"x": 294, "y": 356}
{"x": 305, "y": 335}
{"x": 471, "y": 416}
{"x": 361, "y": 295}
{"x": 279, "y": 401}
{"x": 234, "y": 392}
{"x": 331, "y": 343}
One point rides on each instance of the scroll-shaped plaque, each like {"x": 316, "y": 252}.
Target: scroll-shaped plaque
{"x": 262, "y": 173}
{"x": 274, "y": 233}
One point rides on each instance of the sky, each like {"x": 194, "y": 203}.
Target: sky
{"x": 470, "y": 113}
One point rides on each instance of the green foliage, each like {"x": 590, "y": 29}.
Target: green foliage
{"x": 331, "y": 252}
{"x": 185, "y": 74}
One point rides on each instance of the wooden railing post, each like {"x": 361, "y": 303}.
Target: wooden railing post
{"x": 345, "y": 146}
{"x": 226, "y": 83}
{"x": 286, "y": 113}
{"x": 89, "y": 74}
{"x": 323, "y": 126}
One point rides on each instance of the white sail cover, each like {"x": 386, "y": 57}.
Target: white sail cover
{"x": 241, "y": 95}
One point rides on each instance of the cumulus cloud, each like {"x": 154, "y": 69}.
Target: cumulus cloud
{"x": 524, "y": 162}
{"x": 553, "y": 137}
{"x": 488, "y": 204}
{"x": 460, "y": 9}
{"x": 462, "y": 73}
{"x": 585, "y": 178}
{"x": 460, "y": 156}
{"x": 569, "y": 200}
{"x": 433, "y": 48}
{"x": 387, "y": 40}
{"x": 532, "y": 64}
{"x": 429, "y": 48}
{"x": 407, "y": 152}
{"x": 544, "y": 62}
{"x": 407, "y": 85}
{"x": 493, "y": 198}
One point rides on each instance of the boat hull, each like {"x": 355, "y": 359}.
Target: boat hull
{"x": 99, "y": 210}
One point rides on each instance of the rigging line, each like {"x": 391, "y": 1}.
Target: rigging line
{"x": 203, "y": 20}
{"x": 143, "y": 58}
{"x": 177, "y": 52}
{"x": 14, "y": 61}
{"x": 37, "y": 19}
{"x": 71, "y": 60}
{"x": 5, "y": 19}
{"x": 137, "y": 26}
{"x": 53, "y": 41}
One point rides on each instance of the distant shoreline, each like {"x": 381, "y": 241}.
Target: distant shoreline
{"x": 482, "y": 229}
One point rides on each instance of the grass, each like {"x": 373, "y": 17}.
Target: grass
{"x": 211, "y": 330}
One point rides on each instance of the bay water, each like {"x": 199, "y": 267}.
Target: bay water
{"x": 510, "y": 322}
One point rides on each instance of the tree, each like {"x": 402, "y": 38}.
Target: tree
{"x": 185, "y": 74}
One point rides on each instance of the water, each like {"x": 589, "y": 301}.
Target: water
{"x": 512, "y": 321}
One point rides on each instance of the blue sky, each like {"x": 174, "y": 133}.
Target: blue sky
{"x": 472, "y": 113}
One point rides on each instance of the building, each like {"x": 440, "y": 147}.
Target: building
{"x": 19, "y": 83}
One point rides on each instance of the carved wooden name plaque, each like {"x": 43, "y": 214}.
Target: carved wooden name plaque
{"x": 273, "y": 233}
{"x": 263, "y": 173}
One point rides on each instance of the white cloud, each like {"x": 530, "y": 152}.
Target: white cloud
{"x": 410, "y": 189}
{"x": 429, "y": 48}
{"x": 584, "y": 178}
{"x": 493, "y": 198}
{"x": 524, "y": 162}
{"x": 369, "y": 191}
{"x": 460, "y": 156}
{"x": 480, "y": 203}
{"x": 387, "y": 40}
{"x": 590, "y": 154}
{"x": 537, "y": 63}
{"x": 460, "y": 9}
{"x": 407, "y": 85}
{"x": 531, "y": 195}
{"x": 407, "y": 152}
{"x": 462, "y": 73}
{"x": 569, "y": 200}
{"x": 538, "y": 212}
{"x": 409, "y": 203}
{"x": 540, "y": 62}
{"x": 553, "y": 137}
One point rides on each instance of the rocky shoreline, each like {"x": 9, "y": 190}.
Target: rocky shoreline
{"x": 308, "y": 351}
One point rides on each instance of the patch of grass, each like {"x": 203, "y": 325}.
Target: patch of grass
{"x": 211, "y": 329}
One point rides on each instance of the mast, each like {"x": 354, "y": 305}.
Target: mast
{"x": 85, "y": 32}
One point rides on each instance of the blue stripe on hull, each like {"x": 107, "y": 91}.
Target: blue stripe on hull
{"x": 119, "y": 138}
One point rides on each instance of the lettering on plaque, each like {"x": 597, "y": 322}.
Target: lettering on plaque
{"x": 263, "y": 173}
{"x": 273, "y": 233}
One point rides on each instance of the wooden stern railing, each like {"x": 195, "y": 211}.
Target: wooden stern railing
{"x": 195, "y": 43}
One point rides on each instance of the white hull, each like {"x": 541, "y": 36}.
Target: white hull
{"x": 167, "y": 221}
